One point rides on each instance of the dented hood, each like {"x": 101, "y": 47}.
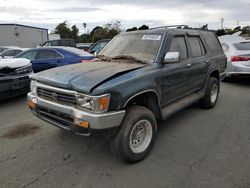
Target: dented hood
{"x": 14, "y": 63}
{"x": 85, "y": 77}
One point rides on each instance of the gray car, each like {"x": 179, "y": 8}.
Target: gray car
{"x": 138, "y": 78}
{"x": 238, "y": 57}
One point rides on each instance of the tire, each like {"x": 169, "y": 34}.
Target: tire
{"x": 136, "y": 136}
{"x": 212, "y": 93}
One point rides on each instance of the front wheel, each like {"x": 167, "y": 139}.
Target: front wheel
{"x": 136, "y": 135}
{"x": 212, "y": 93}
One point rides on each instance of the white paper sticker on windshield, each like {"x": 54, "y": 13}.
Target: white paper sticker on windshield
{"x": 151, "y": 37}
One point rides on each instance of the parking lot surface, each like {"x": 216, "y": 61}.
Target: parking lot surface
{"x": 194, "y": 148}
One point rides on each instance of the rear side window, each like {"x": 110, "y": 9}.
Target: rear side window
{"x": 197, "y": 46}
{"x": 242, "y": 46}
{"x": 178, "y": 44}
{"x": 48, "y": 54}
{"x": 212, "y": 41}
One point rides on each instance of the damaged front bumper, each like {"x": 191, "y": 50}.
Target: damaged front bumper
{"x": 11, "y": 86}
{"x": 74, "y": 120}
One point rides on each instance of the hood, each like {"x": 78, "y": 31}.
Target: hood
{"x": 84, "y": 77}
{"x": 14, "y": 63}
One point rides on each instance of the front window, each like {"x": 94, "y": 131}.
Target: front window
{"x": 2, "y": 49}
{"x": 31, "y": 55}
{"x": 141, "y": 47}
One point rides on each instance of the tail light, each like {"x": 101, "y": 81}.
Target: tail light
{"x": 239, "y": 58}
{"x": 86, "y": 60}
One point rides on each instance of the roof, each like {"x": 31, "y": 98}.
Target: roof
{"x": 166, "y": 29}
{"x": 32, "y": 27}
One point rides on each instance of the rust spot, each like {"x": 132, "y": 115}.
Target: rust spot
{"x": 20, "y": 131}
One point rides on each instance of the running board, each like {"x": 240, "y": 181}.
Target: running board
{"x": 180, "y": 104}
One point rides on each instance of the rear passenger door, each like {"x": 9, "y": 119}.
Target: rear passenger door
{"x": 198, "y": 63}
{"x": 174, "y": 81}
{"x": 46, "y": 59}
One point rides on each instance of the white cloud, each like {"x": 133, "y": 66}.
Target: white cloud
{"x": 47, "y": 13}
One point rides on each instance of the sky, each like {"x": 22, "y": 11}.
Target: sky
{"x": 195, "y": 13}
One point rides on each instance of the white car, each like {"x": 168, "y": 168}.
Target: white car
{"x": 237, "y": 50}
{"x": 7, "y": 52}
{"x": 15, "y": 77}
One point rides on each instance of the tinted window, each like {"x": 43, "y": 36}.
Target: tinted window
{"x": 212, "y": 41}
{"x": 99, "y": 46}
{"x": 48, "y": 54}
{"x": 17, "y": 52}
{"x": 243, "y": 46}
{"x": 9, "y": 53}
{"x": 178, "y": 44}
{"x": 31, "y": 55}
{"x": 196, "y": 46}
{"x": 2, "y": 49}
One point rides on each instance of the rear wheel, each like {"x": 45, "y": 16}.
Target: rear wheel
{"x": 136, "y": 136}
{"x": 212, "y": 93}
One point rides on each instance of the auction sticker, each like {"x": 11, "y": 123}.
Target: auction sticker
{"x": 151, "y": 37}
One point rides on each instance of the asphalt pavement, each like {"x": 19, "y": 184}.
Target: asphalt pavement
{"x": 194, "y": 148}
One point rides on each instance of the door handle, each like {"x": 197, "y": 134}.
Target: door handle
{"x": 188, "y": 65}
{"x": 207, "y": 61}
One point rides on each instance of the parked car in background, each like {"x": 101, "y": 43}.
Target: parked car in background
{"x": 10, "y": 53}
{"x": 84, "y": 46}
{"x": 237, "y": 50}
{"x": 15, "y": 77}
{"x": 49, "y": 57}
{"x": 138, "y": 78}
{"x": 98, "y": 46}
{"x": 60, "y": 42}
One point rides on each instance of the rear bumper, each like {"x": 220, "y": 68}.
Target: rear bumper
{"x": 237, "y": 68}
{"x": 69, "y": 117}
{"x": 14, "y": 85}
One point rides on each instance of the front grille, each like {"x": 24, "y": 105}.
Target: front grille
{"x": 56, "y": 96}
{"x": 58, "y": 117}
{"x": 7, "y": 71}
{"x": 21, "y": 79}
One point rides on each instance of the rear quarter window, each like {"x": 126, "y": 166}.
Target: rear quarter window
{"x": 212, "y": 41}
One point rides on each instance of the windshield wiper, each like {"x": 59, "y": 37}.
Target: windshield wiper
{"x": 129, "y": 58}
{"x": 103, "y": 57}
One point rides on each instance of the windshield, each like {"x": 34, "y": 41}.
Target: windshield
{"x": 243, "y": 46}
{"x": 2, "y": 49}
{"x": 143, "y": 47}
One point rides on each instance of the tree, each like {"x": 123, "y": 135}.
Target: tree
{"x": 63, "y": 30}
{"x": 75, "y": 32}
{"x": 100, "y": 33}
{"x": 143, "y": 27}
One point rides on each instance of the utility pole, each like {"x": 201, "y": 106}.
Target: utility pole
{"x": 222, "y": 23}
{"x": 237, "y": 23}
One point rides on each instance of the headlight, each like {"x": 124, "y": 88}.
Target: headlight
{"x": 33, "y": 87}
{"x": 24, "y": 70}
{"x": 97, "y": 104}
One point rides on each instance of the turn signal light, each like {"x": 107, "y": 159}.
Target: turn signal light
{"x": 84, "y": 124}
{"x": 31, "y": 104}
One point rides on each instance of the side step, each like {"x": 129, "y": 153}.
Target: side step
{"x": 180, "y": 104}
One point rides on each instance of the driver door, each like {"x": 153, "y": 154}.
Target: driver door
{"x": 174, "y": 80}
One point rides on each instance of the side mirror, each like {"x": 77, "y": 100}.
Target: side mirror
{"x": 172, "y": 57}
{"x": 95, "y": 54}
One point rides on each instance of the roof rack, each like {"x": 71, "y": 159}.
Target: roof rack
{"x": 172, "y": 26}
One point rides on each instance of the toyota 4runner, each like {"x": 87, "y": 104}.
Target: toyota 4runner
{"x": 138, "y": 78}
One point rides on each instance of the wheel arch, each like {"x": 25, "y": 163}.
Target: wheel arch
{"x": 149, "y": 99}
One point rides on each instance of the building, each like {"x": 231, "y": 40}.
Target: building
{"x": 22, "y": 35}
{"x": 54, "y": 36}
